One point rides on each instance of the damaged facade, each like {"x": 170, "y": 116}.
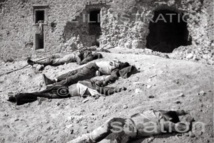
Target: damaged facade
{"x": 30, "y": 27}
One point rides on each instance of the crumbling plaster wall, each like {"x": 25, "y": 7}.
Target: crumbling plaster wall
{"x": 62, "y": 34}
{"x": 209, "y": 5}
{"x": 131, "y": 29}
{"x": 17, "y": 26}
{"x": 76, "y": 32}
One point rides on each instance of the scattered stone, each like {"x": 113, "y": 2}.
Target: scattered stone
{"x": 138, "y": 91}
{"x": 71, "y": 131}
{"x": 137, "y": 44}
{"x": 58, "y": 104}
{"x": 125, "y": 107}
{"x": 166, "y": 56}
{"x": 86, "y": 100}
{"x": 151, "y": 96}
{"x": 128, "y": 45}
{"x": 149, "y": 86}
{"x": 69, "y": 126}
{"x": 103, "y": 116}
{"x": 182, "y": 95}
{"x": 178, "y": 102}
{"x": 6, "y": 115}
{"x": 189, "y": 56}
{"x": 177, "y": 82}
{"x": 1, "y": 81}
{"x": 49, "y": 128}
{"x": 202, "y": 93}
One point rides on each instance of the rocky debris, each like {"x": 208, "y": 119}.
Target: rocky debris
{"x": 138, "y": 91}
{"x": 182, "y": 95}
{"x": 151, "y": 96}
{"x": 178, "y": 102}
{"x": 86, "y": 100}
{"x": 198, "y": 53}
{"x": 202, "y": 93}
{"x": 125, "y": 107}
{"x": 149, "y": 86}
{"x": 137, "y": 44}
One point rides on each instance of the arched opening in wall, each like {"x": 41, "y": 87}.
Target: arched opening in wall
{"x": 168, "y": 31}
{"x": 94, "y": 25}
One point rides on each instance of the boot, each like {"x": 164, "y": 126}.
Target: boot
{"x": 30, "y": 62}
{"x": 11, "y": 98}
{"x": 22, "y": 98}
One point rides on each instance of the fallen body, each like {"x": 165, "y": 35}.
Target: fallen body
{"x": 80, "y": 57}
{"x": 82, "y": 89}
{"x": 114, "y": 70}
{"x": 141, "y": 125}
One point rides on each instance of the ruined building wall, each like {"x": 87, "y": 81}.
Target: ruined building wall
{"x": 209, "y": 5}
{"x": 132, "y": 29}
{"x": 17, "y": 27}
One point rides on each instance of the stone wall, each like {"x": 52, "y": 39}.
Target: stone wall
{"x": 131, "y": 29}
{"x": 209, "y": 5}
{"x": 17, "y": 27}
{"x": 62, "y": 33}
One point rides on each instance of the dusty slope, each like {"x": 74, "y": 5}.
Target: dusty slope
{"x": 61, "y": 120}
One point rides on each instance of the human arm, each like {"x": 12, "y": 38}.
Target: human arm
{"x": 86, "y": 60}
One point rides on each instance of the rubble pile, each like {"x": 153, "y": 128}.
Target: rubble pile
{"x": 194, "y": 53}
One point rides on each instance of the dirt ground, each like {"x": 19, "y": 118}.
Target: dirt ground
{"x": 174, "y": 84}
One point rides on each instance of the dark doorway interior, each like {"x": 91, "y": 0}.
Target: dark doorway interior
{"x": 40, "y": 16}
{"x": 94, "y": 25}
{"x": 168, "y": 30}
{"x": 39, "y": 41}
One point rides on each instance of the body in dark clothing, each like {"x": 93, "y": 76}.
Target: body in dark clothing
{"x": 55, "y": 92}
{"x": 84, "y": 73}
{"x": 89, "y": 71}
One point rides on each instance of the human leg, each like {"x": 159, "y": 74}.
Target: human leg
{"x": 50, "y": 93}
{"x": 64, "y": 60}
{"x": 66, "y": 75}
{"x": 44, "y": 62}
{"x": 111, "y": 130}
{"x": 84, "y": 73}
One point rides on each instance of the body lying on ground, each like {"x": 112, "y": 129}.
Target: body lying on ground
{"x": 141, "y": 125}
{"x": 82, "y": 89}
{"x": 114, "y": 69}
{"x": 80, "y": 57}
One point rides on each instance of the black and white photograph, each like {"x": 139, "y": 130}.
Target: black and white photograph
{"x": 106, "y": 71}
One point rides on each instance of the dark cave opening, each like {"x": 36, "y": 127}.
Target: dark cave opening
{"x": 168, "y": 31}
